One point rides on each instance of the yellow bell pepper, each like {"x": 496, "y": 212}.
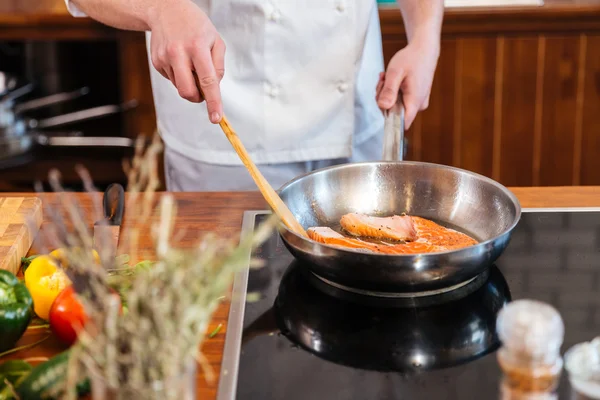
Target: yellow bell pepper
{"x": 60, "y": 255}
{"x": 45, "y": 281}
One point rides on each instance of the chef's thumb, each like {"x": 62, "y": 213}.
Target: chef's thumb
{"x": 391, "y": 87}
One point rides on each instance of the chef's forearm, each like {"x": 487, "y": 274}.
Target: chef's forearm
{"x": 422, "y": 19}
{"x": 133, "y": 15}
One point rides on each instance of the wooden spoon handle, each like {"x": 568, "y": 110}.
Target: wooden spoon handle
{"x": 272, "y": 198}
{"x": 265, "y": 188}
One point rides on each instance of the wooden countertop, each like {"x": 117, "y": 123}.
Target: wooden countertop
{"x": 49, "y": 19}
{"x": 223, "y": 212}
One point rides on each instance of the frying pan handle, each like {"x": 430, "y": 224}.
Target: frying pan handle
{"x": 393, "y": 134}
{"x": 85, "y": 141}
{"x": 15, "y": 94}
{"x": 84, "y": 115}
{"x": 50, "y": 100}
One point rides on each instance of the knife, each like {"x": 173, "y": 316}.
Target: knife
{"x": 106, "y": 231}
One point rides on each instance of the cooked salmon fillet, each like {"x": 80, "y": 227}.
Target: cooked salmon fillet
{"x": 422, "y": 235}
{"x": 326, "y": 235}
{"x": 439, "y": 235}
{"x": 399, "y": 228}
{"x": 413, "y": 248}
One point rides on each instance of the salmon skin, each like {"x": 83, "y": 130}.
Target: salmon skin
{"x": 422, "y": 235}
{"x": 397, "y": 228}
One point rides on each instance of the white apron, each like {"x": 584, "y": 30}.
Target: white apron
{"x": 299, "y": 85}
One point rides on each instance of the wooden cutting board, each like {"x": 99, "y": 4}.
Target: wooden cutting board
{"x": 16, "y": 233}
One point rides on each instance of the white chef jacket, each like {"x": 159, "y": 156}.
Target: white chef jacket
{"x": 299, "y": 85}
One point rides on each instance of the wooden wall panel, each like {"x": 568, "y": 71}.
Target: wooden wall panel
{"x": 516, "y": 122}
{"x": 590, "y": 143}
{"x": 436, "y": 133}
{"x": 474, "y": 104}
{"x": 558, "y": 116}
{"x": 522, "y": 103}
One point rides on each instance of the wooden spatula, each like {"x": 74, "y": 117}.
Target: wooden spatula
{"x": 270, "y": 195}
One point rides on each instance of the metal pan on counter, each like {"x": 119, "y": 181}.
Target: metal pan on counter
{"x": 456, "y": 198}
{"x": 13, "y": 120}
{"x": 20, "y": 140}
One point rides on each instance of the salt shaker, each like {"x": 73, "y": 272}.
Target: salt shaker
{"x": 582, "y": 363}
{"x": 531, "y": 333}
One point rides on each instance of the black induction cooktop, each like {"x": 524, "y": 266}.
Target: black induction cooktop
{"x": 301, "y": 341}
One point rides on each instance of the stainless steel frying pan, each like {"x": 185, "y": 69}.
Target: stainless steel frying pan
{"x": 454, "y": 197}
{"x": 20, "y": 140}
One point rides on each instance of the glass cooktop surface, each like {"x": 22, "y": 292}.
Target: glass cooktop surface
{"x": 302, "y": 342}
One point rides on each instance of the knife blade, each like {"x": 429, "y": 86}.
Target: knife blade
{"x": 107, "y": 230}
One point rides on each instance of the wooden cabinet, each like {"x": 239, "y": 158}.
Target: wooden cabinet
{"x": 516, "y": 95}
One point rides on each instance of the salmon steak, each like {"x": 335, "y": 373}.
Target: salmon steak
{"x": 409, "y": 248}
{"x": 330, "y": 237}
{"x": 438, "y": 235}
{"x": 419, "y": 235}
{"x": 326, "y": 235}
{"x": 396, "y": 228}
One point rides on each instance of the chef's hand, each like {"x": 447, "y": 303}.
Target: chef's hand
{"x": 409, "y": 72}
{"x": 184, "y": 40}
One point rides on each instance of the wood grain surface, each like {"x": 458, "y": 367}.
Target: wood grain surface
{"x": 222, "y": 213}
{"x": 20, "y": 220}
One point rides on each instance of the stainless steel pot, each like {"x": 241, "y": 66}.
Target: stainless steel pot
{"x": 457, "y": 198}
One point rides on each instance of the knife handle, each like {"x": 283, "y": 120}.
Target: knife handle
{"x": 114, "y": 204}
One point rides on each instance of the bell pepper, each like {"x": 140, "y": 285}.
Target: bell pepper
{"x": 60, "y": 255}
{"x": 45, "y": 280}
{"x": 15, "y": 309}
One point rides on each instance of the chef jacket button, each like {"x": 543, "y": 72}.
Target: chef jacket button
{"x": 274, "y": 16}
{"x": 342, "y": 87}
{"x": 272, "y": 90}
{"x": 341, "y": 7}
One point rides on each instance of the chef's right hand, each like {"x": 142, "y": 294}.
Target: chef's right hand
{"x": 184, "y": 41}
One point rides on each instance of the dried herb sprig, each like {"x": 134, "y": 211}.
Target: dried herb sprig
{"x": 169, "y": 304}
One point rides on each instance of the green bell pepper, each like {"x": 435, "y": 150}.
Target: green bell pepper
{"x": 15, "y": 309}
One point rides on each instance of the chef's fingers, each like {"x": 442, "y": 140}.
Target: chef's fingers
{"x": 391, "y": 87}
{"x": 379, "y": 85}
{"x": 425, "y": 104}
{"x": 182, "y": 75}
{"x": 209, "y": 83}
{"x": 163, "y": 73}
{"x": 170, "y": 75}
{"x": 156, "y": 59}
{"x": 218, "y": 57}
{"x": 411, "y": 107}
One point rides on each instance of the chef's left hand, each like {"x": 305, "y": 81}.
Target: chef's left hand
{"x": 410, "y": 72}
